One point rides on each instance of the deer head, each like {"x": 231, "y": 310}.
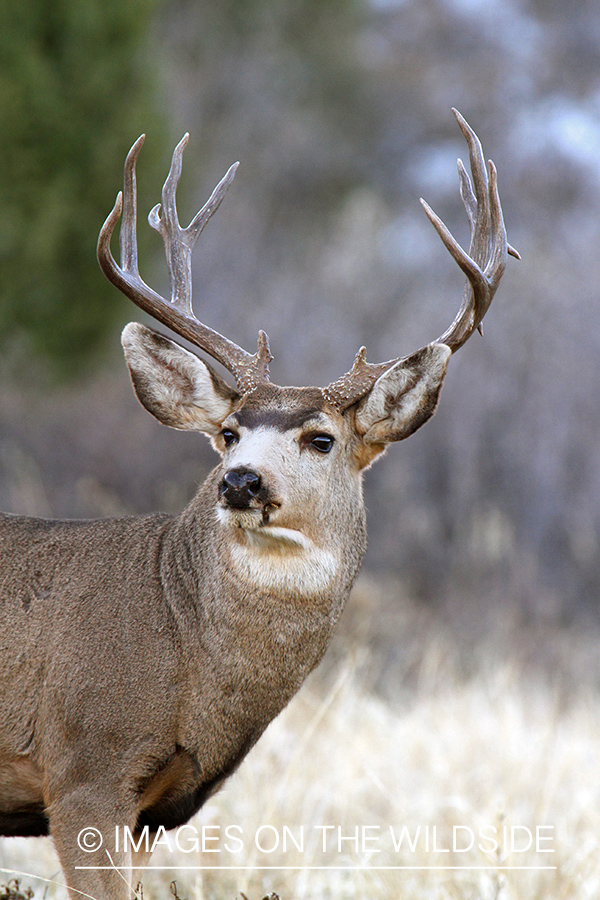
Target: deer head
{"x": 331, "y": 432}
{"x": 379, "y": 403}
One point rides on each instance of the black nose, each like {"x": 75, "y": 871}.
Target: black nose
{"x": 239, "y": 487}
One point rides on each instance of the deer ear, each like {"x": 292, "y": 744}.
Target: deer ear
{"x": 402, "y": 399}
{"x": 179, "y": 389}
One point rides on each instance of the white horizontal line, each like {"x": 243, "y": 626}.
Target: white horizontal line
{"x": 324, "y": 868}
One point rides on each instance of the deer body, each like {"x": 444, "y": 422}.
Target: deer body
{"x": 142, "y": 657}
{"x": 177, "y": 643}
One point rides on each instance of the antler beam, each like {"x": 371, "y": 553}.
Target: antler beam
{"x": 483, "y": 265}
{"x": 248, "y": 369}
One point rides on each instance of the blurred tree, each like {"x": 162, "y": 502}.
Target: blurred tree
{"x": 76, "y": 88}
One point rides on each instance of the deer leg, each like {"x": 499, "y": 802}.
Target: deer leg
{"x": 95, "y": 859}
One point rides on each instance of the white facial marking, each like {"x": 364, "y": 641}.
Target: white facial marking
{"x": 267, "y": 549}
{"x": 259, "y": 449}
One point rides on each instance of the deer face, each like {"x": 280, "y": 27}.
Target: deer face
{"x": 286, "y": 462}
{"x": 290, "y": 476}
{"x": 290, "y": 461}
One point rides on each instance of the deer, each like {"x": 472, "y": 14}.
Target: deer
{"x": 142, "y": 657}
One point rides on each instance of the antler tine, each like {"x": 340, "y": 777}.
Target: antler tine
{"x": 486, "y": 260}
{"x": 177, "y": 314}
{"x": 128, "y": 236}
{"x": 179, "y": 242}
{"x": 483, "y": 265}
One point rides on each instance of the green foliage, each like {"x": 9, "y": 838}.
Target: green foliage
{"x": 76, "y": 88}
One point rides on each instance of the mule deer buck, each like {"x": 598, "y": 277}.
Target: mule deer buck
{"x": 142, "y": 657}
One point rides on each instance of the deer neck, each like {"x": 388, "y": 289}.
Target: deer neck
{"x": 261, "y": 634}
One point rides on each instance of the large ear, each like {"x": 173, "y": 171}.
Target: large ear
{"x": 174, "y": 385}
{"x": 402, "y": 399}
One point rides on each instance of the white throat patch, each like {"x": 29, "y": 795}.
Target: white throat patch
{"x": 281, "y": 560}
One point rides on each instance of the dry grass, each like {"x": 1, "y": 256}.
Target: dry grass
{"x": 494, "y": 748}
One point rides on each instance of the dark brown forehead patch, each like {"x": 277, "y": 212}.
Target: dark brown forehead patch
{"x": 281, "y": 419}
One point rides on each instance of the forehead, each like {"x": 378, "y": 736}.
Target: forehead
{"x": 284, "y": 409}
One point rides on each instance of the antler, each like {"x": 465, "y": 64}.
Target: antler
{"x": 248, "y": 369}
{"x": 483, "y": 265}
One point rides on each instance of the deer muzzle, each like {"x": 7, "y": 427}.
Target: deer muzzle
{"x": 242, "y": 488}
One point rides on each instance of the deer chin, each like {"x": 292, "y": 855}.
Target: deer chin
{"x": 261, "y": 531}
{"x": 279, "y": 539}
{"x": 246, "y": 519}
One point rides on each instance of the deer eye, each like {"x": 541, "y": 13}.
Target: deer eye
{"x": 322, "y": 442}
{"x": 229, "y": 437}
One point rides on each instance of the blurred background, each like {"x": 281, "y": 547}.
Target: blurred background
{"x": 340, "y": 113}
{"x": 463, "y": 678}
